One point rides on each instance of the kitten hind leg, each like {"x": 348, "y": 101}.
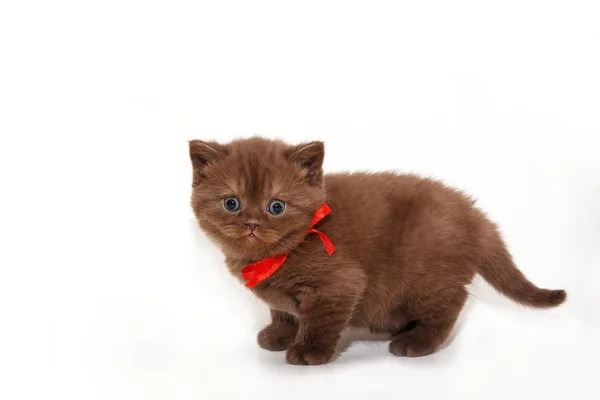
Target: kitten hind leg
{"x": 425, "y": 335}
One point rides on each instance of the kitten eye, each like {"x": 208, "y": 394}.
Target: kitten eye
{"x": 231, "y": 204}
{"x": 276, "y": 207}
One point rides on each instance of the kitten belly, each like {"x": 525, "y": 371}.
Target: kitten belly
{"x": 382, "y": 310}
{"x": 378, "y": 317}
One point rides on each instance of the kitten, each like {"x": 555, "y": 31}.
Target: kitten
{"x": 405, "y": 247}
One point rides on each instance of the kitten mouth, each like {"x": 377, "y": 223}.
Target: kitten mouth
{"x": 252, "y": 236}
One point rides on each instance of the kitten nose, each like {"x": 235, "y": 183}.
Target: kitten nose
{"x": 252, "y": 225}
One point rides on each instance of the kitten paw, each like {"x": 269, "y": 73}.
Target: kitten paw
{"x": 407, "y": 346}
{"x": 305, "y": 355}
{"x": 276, "y": 337}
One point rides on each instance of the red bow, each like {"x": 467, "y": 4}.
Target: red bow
{"x": 261, "y": 270}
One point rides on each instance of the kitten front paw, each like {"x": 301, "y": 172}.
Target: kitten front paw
{"x": 306, "y": 355}
{"x": 407, "y": 346}
{"x": 277, "y": 337}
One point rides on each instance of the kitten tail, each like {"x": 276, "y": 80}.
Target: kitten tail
{"x": 504, "y": 276}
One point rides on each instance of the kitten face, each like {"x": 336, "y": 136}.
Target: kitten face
{"x": 256, "y": 197}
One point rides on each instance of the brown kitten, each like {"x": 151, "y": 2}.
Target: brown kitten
{"x": 406, "y": 247}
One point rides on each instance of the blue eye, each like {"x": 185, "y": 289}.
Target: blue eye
{"x": 231, "y": 204}
{"x": 276, "y": 207}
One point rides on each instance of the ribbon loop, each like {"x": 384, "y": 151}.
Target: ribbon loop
{"x": 329, "y": 247}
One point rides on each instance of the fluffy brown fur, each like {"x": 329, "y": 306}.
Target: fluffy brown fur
{"x": 406, "y": 247}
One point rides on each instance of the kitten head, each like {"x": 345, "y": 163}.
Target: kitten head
{"x": 256, "y": 197}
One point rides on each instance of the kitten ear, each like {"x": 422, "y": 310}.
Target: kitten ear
{"x": 203, "y": 153}
{"x": 309, "y": 156}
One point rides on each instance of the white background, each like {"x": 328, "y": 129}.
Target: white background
{"x": 108, "y": 290}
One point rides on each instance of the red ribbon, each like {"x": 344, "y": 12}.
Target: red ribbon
{"x": 261, "y": 270}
